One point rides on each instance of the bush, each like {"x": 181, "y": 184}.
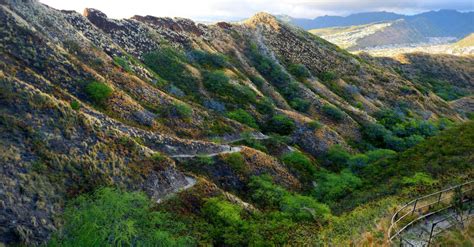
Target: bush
{"x": 300, "y": 105}
{"x": 265, "y": 106}
{"x": 236, "y": 161}
{"x": 304, "y": 208}
{"x": 418, "y": 179}
{"x": 314, "y": 125}
{"x": 337, "y": 157}
{"x": 327, "y": 76}
{"x": 333, "y": 112}
{"x": 265, "y": 193}
{"x": 297, "y": 207}
{"x": 444, "y": 89}
{"x": 217, "y": 82}
{"x": 98, "y": 92}
{"x": 280, "y": 124}
{"x": 122, "y": 63}
{"x": 221, "y": 212}
{"x": 300, "y": 164}
{"x": 168, "y": 63}
{"x": 227, "y": 227}
{"x": 267, "y": 67}
{"x": 75, "y": 105}
{"x": 180, "y": 110}
{"x": 204, "y": 160}
{"x": 158, "y": 157}
{"x": 113, "y": 218}
{"x": 331, "y": 186}
{"x": 243, "y": 117}
{"x": 209, "y": 60}
{"x": 299, "y": 71}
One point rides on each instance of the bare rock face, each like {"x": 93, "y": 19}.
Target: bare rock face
{"x": 100, "y": 20}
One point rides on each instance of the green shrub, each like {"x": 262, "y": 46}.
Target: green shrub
{"x": 304, "y": 208}
{"x": 209, "y": 60}
{"x": 357, "y": 162}
{"x": 267, "y": 67}
{"x": 75, "y": 105}
{"x": 113, "y": 218}
{"x": 337, "y": 158}
{"x": 300, "y": 164}
{"x": 265, "y": 106}
{"x": 359, "y": 105}
{"x": 444, "y": 89}
{"x": 243, "y": 117}
{"x": 169, "y": 64}
{"x": 327, "y": 76}
{"x": 249, "y": 141}
{"x": 98, "y": 92}
{"x": 257, "y": 80}
{"x": 300, "y": 105}
{"x": 418, "y": 179}
{"x": 297, "y": 207}
{"x": 205, "y": 160}
{"x": 217, "y": 82}
{"x": 180, "y": 110}
{"x": 219, "y": 128}
{"x": 333, "y": 112}
{"x": 314, "y": 125}
{"x": 158, "y": 157}
{"x": 299, "y": 71}
{"x": 280, "y": 124}
{"x": 236, "y": 161}
{"x": 331, "y": 186}
{"x": 122, "y": 63}
{"x": 227, "y": 227}
{"x": 221, "y": 212}
{"x": 265, "y": 193}
{"x": 183, "y": 110}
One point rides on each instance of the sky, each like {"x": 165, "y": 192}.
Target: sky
{"x": 231, "y": 10}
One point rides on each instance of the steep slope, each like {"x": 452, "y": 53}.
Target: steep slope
{"x": 88, "y": 101}
{"x": 467, "y": 41}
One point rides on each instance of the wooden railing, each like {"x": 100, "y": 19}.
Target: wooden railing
{"x": 424, "y": 207}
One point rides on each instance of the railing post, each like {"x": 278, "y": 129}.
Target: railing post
{"x": 439, "y": 197}
{"x": 431, "y": 234}
{"x": 414, "y": 207}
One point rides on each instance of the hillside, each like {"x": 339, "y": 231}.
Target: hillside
{"x": 190, "y": 134}
{"x": 467, "y": 41}
{"x": 431, "y": 31}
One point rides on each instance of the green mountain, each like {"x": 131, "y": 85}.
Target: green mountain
{"x": 157, "y": 130}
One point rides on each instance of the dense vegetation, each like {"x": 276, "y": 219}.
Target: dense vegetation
{"x": 113, "y": 218}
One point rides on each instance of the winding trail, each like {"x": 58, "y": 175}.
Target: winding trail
{"x": 230, "y": 150}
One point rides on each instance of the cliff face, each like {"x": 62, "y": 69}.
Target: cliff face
{"x": 58, "y": 139}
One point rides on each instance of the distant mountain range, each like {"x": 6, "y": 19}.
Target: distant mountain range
{"x": 365, "y": 31}
{"x": 338, "y": 21}
{"x": 442, "y": 22}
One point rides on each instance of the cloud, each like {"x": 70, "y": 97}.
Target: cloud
{"x": 238, "y": 9}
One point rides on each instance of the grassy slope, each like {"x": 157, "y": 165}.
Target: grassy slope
{"x": 450, "y": 152}
{"x": 466, "y": 41}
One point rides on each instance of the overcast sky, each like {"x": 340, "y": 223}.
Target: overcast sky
{"x": 238, "y": 9}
